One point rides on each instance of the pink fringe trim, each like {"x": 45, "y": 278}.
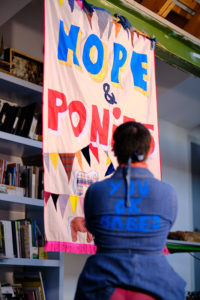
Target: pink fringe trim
{"x": 77, "y": 248}
{"x": 165, "y": 251}
{"x": 70, "y": 247}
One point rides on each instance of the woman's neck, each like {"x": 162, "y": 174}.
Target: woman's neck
{"x": 139, "y": 164}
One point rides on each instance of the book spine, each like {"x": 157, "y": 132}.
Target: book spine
{"x": 17, "y": 228}
{"x": 2, "y": 241}
{"x": 26, "y": 240}
{"x": 22, "y": 242}
{"x": 30, "y": 241}
{"x": 14, "y": 238}
{"x": 32, "y": 130}
{"x": 30, "y": 181}
{"x": 8, "y": 239}
{"x": 16, "y": 121}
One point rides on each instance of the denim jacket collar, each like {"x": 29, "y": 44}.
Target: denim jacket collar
{"x": 135, "y": 172}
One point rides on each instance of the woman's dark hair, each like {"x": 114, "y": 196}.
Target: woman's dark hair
{"x": 131, "y": 139}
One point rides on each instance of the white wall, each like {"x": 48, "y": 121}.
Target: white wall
{"x": 25, "y": 31}
{"x": 72, "y": 268}
{"x": 175, "y": 162}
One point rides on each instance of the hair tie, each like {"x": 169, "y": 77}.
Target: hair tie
{"x": 127, "y": 178}
{"x": 139, "y": 157}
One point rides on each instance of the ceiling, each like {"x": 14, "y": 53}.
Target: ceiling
{"x": 178, "y": 92}
{"x": 182, "y": 13}
{"x": 10, "y": 8}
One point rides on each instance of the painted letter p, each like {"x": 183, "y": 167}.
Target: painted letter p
{"x": 56, "y": 104}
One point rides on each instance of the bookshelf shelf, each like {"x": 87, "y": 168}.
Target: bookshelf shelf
{"x": 18, "y": 203}
{"x": 10, "y": 79}
{"x": 30, "y": 262}
{"x": 19, "y": 146}
{"x": 20, "y": 200}
{"x": 19, "y": 90}
{"x": 13, "y": 207}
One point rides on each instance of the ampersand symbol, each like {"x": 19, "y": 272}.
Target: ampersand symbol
{"x": 110, "y": 98}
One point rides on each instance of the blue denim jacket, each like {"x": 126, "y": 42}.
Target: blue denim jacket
{"x": 130, "y": 238}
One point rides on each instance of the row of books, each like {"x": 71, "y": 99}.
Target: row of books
{"x": 25, "y": 121}
{"x": 27, "y": 180}
{"x": 20, "y": 239}
{"x": 26, "y": 286}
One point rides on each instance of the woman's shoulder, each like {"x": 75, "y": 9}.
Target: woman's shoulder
{"x": 99, "y": 185}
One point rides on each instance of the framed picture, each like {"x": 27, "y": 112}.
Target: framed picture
{"x": 24, "y": 66}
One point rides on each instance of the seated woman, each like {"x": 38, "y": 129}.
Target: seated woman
{"x": 130, "y": 215}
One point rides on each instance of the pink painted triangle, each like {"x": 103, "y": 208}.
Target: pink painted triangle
{"x": 80, "y": 3}
{"x": 95, "y": 151}
{"x": 46, "y": 196}
{"x": 63, "y": 200}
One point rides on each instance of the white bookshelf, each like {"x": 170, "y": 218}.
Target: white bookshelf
{"x": 16, "y": 145}
{"x": 30, "y": 262}
{"x": 8, "y": 199}
{"x": 23, "y": 93}
{"x": 19, "y": 90}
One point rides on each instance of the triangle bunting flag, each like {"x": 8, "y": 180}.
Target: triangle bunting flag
{"x": 117, "y": 28}
{"x": 54, "y": 159}
{"x": 46, "y": 196}
{"x": 86, "y": 153}
{"x": 73, "y": 201}
{"x": 80, "y": 3}
{"x": 94, "y": 151}
{"x": 79, "y": 158}
{"x": 71, "y": 4}
{"x": 132, "y": 37}
{"x": 110, "y": 170}
{"x": 55, "y": 199}
{"x": 63, "y": 200}
{"x": 102, "y": 20}
{"x": 89, "y": 17}
{"x": 108, "y": 161}
{"x": 67, "y": 161}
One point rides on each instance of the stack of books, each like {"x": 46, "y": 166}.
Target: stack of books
{"x": 20, "y": 239}
{"x": 27, "y": 286}
{"x": 21, "y": 180}
{"x": 24, "y": 121}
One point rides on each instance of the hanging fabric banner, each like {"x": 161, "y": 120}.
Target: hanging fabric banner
{"x": 98, "y": 73}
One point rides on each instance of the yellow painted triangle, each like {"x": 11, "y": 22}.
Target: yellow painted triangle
{"x": 108, "y": 161}
{"x": 54, "y": 159}
{"x": 79, "y": 158}
{"x": 73, "y": 201}
{"x": 61, "y": 2}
